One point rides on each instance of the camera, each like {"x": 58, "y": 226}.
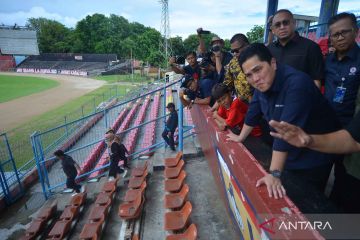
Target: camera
{"x": 179, "y": 60}
{"x": 191, "y": 95}
{"x": 204, "y": 63}
{"x": 215, "y": 48}
{"x": 203, "y": 32}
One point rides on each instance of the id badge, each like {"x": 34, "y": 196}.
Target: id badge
{"x": 339, "y": 94}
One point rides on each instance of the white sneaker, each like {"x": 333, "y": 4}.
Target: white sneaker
{"x": 82, "y": 189}
{"x": 111, "y": 179}
{"x": 74, "y": 194}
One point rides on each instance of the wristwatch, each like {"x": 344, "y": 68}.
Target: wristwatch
{"x": 275, "y": 173}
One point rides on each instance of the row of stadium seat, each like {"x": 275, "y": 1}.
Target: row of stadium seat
{"x": 105, "y": 156}
{"x": 69, "y": 217}
{"x": 98, "y": 150}
{"x": 149, "y": 134}
{"x": 96, "y": 220}
{"x": 177, "y": 219}
{"x": 42, "y": 222}
{"x": 133, "y": 202}
{"x": 130, "y": 141}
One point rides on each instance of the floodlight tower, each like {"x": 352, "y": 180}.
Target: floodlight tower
{"x": 165, "y": 46}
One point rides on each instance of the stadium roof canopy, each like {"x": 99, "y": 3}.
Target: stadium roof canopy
{"x": 18, "y": 42}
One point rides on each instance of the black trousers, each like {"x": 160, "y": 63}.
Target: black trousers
{"x": 306, "y": 187}
{"x": 346, "y": 190}
{"x": 70, "y": 183}
{"x": 114, "y": 168}
{"x": 168, "y": 140}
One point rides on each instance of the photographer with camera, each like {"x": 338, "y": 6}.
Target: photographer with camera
{"x": 198, "y": 91}
{"x": 192, "y": 69}
{"x": 216, "y": 46}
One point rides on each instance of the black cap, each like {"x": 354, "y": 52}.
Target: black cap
{"x": 170, "y": 105}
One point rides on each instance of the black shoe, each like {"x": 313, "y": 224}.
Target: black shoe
{"x": 173, "y": 148}
{"x": 121, "y": 170}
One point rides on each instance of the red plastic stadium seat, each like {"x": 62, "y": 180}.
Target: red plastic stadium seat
{"x": 174, "y": 172}
{"x": 40, "y": 222}
{"x": 176, "y": 200}
{"x": 103, "y": 199}
{"x": 131, "y": 210}
{"x": 69, "y": 213}
{"x": 135, "y": 182}
{"x": 177, "y": 220}
{"x": 35, "y": 228}
{"x": 78, "y": 199}
{"x": 109, "y": 187}
{"x": 189, "y": 234}
{"x": 132, "y": 194}
{"x": 91, "y": 231}
{"x": 60, "y": 229}
{"x": 47, "y": 212}
{"x": 174, "y": 185}
{"x": 172, "y": 162}
{"x": 139, "y": 171}
{"x": 98, "y": 214}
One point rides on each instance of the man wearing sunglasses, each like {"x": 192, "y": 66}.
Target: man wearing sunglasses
{"x": 234, "y": 77}
{"x": 294, "y": 50}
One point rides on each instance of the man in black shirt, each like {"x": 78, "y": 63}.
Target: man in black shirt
{"x": 171, "y": 125}
{"x": 71, "y": 169}
{"x": 294, "y": 50}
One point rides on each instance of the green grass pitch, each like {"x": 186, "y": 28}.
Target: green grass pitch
{"x": 12, "y": 87}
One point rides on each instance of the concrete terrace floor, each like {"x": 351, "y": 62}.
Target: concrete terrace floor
{"x": 209, "y": 212}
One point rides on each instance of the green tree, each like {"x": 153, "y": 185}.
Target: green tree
{"x": 177, "y": 46}
{"x": 52, "y": 36}
{"x": 256, "y": 34}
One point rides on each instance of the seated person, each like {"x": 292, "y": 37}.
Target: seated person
{"x": 231, "y": 112}
{"x": 192, "y": 69}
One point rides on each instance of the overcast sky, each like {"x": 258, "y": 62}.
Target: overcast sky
{"x": 224, "y": 17}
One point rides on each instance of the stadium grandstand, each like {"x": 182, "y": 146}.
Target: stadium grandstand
{"x": 164, "y": 194}
{"x": 16, "y": 41}
{"x": 71, "y": 63}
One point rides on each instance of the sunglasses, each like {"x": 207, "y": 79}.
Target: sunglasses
{"x": 236, "y": 50}
{"x": 284, "y": 23}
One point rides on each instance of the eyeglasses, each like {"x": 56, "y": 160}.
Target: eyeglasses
{"x": 284, "y": 23}
{"x": 342, "y": 33}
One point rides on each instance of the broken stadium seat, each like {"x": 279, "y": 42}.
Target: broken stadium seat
{"x": 131, "y": 210}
